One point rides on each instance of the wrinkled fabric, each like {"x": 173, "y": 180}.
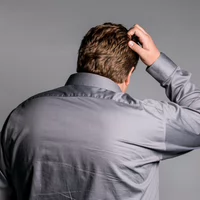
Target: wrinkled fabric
{"x": 89, "y": 141}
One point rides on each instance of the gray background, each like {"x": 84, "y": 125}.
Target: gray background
{"x": 39, "y": 40}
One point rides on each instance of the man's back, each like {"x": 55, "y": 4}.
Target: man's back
{"x": 83, "y": 142}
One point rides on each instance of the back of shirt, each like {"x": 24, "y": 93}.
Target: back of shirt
{"x": 88, "y": 140}
{"x": 83, "y": 147}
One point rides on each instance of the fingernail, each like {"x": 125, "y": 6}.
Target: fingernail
{"x": 131, "y": 43}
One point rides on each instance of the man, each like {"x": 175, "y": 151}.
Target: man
{"x": 90, "y": 140}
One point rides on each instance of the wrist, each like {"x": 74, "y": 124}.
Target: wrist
{"x": 155, "y": 57}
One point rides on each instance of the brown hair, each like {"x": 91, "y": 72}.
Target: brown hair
{"x": 104, "y": 51}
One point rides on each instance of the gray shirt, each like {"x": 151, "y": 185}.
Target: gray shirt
{"x": 89, "y": 141}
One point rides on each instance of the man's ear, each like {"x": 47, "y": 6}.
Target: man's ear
{"x": 128, "y": 80}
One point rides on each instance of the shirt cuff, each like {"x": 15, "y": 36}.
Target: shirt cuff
{"x": 162, "y": 68}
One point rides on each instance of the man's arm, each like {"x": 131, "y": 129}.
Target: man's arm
{"x": 181, "y": 116}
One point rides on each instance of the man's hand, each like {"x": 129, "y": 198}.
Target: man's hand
{"x": 148, "y": 52}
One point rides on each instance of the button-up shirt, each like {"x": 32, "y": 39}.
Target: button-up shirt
{"x": 88, "y": 140}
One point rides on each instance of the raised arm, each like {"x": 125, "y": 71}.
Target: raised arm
{"x": 181, "y": 116}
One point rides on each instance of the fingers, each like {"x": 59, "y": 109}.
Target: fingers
{"x": 139, "y": 33}
{"x": 135, "y": 47}
{"x": 148, "y": 52}
{"x": 138, "y": 26}
{"x": 131, "y": 32}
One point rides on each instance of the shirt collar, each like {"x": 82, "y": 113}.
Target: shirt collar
{"x": 93, "y": 80}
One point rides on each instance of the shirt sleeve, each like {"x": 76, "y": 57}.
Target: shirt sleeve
{"x": 181, "y": 115}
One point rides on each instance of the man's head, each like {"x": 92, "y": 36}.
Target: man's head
{"x": 104, "y": 51}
